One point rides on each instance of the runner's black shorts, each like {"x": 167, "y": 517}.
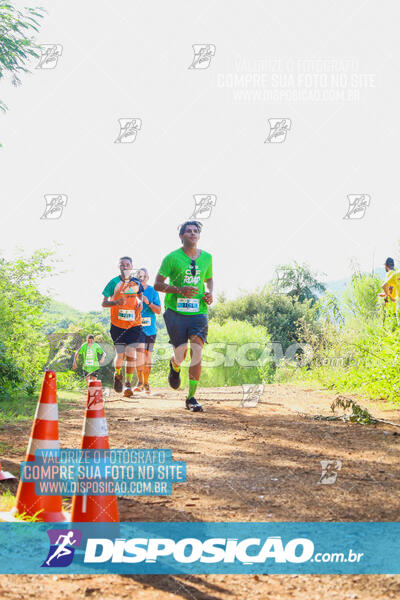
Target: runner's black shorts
{"x": 91, "y": 373}
{"x": 149, "y": 341}
{"x": 181, "y": 327}
{"x": 126, "y": 337}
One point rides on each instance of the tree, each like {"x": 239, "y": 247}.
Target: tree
{"x": 298, "y": 280}
{"x": 278, "y": 313}
{"x": 330, "y": 310}
{"x": 361, "y": 296}
{"x": 17, "y": 46}
{"x": 23, "y": 345}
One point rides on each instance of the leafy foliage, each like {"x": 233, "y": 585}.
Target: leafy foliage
{"x": 355, "y": 349}
{"x": 298, "y": 281}
{"x": 17, "y": 46}
{"x": 358, "y": 413}
{"x": 59, "y": 316}
{"x": 23, "y": 346}
{"x": 279, "y": 314}
{"x": 361, "y": 298}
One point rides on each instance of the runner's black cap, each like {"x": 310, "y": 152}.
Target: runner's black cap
{"x": 389, "y": 262}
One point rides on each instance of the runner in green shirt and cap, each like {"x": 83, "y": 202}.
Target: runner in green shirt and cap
{"x": 90, "y": 352}
{"x": 186, "y": 302}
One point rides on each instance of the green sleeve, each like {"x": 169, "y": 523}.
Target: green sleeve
{"x": 82, "y": 349}
{"x": 99, "y": 349}
{"x": 109, "y": 289}
{"x": 208, "y": 274}
{"x": 165, "y": 269}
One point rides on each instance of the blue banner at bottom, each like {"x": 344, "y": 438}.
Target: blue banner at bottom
{"x": 200, "y": 548}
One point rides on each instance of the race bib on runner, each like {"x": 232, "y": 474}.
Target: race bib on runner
{"x": 187, "y": 304}
{"x": 90, "y": 362}
{"x": 146, "y": 321}
{"x": 126, "y": 315}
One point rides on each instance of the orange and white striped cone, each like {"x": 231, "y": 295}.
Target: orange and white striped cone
{"x": 4, "y": 475}
{"x": 44, "y": 436}
{"x": 95, "y": 509}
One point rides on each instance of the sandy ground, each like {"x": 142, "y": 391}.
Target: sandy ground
{"x": 243, "y": 464}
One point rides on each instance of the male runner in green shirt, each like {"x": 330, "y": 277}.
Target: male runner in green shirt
{"x": 186, "y": 302}
{"x": 90, "y": 352}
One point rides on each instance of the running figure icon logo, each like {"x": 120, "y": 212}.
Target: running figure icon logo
{"x": 278, "y": 129}
{"x": 203, "y": 205}
{"x": 358, "y": 204}
{"x": 330, "y": 470}
{"x": 128, "y": 129}
{"x": 95, "y": 397}
{"x": 55, "y": 204}
{"x": 50, "y": 53}
{"x": 251, "y": 394}
{"x": 61, "y": 552}
{"x": 203, "y": 54}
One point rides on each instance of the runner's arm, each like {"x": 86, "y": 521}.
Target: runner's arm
{"x": 156, "y": 308}
{"x": 187, "y": 291}
{"x": 106, "y": 303}
{"x": 386, "y": 289}
{"x": 102, "y": 356}
{"x": 208, "y": 296}
{"x": 75, "y": 358}
{"x": 161, "y": 286}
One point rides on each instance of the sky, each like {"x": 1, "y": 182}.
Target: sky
{"x": 281, "y": 112}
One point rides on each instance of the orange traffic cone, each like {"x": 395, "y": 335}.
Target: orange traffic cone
{"x": 44, "y": 436}
{"x": 97, "y": 509}
{"x": 5, "y": 474}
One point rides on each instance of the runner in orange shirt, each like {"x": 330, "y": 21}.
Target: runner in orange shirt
{"x": 123, "y": 294}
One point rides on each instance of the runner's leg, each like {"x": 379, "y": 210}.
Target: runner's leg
{"x": 118, "y": 362}
{"x": 140, "y": 367}
{"x": 129, "y": 369}
{"x": 196, "y": 347}
{"x": 147, "y": 365}
{"x": 148, "y": 351}
{"x": 179, "y": 355}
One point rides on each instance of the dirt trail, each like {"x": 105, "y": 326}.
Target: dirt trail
{"x": 243, "y": 464}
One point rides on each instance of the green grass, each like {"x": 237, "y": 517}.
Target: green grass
{"x": 7, "y": 501}
{"x": 11, "y": 449}
{"x": 22, "y": 408}
{"x": 339, "y": 380}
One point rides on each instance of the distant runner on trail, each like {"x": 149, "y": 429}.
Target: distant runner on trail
{"x": 189, "y": 269}
{"x": 90, "y": 352}
{"x": 151, "y": 308}
{"x": 123, "y": 294}
{"x": 391, "y": 286}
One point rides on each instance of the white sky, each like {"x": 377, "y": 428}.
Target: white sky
{"x": 276, "y": 202}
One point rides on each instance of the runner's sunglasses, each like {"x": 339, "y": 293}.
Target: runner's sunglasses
{"x": 193, "y": 269}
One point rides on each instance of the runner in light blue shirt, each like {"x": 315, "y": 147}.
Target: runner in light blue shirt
{"x": 151, "y": 308}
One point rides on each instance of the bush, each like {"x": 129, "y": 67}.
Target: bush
{"x": 226, "y": 350}
{"x": 279, "y": 314}
{"x": 355, "y": 350}
{"x": 22, "y": 343}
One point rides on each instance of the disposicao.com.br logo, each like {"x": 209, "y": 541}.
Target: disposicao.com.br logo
{"x": 190, "y": 550}
{"x": 248, "y": 551}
